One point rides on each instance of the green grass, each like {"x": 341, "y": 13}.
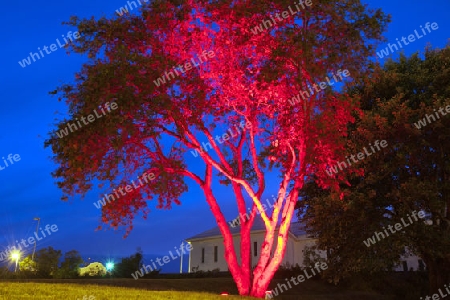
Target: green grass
{"x": 209, "y": 285}
{"x": 186, "y": 289}
{"x": 63, "y": 291}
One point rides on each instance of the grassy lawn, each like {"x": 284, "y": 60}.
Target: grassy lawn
{"x": 193, "y": 288}
{"x": 64, "y": 291}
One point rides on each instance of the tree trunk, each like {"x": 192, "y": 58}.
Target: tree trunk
{"x": 257, "y": 285}
{"x": 438, "y": 272}
{"x": 240, "y": 276}
{"x": 261, "y": 278}
{"x": 264, "y": 274}
{"x": 245, "y": 257}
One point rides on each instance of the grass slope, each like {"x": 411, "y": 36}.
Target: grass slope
{"x": 38, "y": 291}
{"x": 194, "y": 288}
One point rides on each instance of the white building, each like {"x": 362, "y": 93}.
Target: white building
{"x": 208, "y": 248}
{"x": 409, "y": 261}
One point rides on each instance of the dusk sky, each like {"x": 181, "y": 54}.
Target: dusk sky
{"x": 28, "y": 113}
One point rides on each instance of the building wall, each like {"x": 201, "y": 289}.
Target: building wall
{"x": 293, "y": 255}
{"x": 295, "y": 249}
{"x": 300, "y": 246}
{"x": 209, "y": 263}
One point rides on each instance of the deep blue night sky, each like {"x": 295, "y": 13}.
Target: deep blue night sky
{"x": 28, "y": 113}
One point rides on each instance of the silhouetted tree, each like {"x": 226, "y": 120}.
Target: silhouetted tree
{"x": 70, "y": 266}
{"x": 128, "y": 265}
{"x": 47, "y": 261}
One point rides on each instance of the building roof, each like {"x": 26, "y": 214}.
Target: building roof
{"x": 297, "y": 229}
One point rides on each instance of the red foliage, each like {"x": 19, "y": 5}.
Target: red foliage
{"x": 240, "y": 78}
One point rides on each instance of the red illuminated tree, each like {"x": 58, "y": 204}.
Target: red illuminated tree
{"x": 244, "y": 78}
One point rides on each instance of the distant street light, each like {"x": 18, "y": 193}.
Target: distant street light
{"x": 34, "y": 250}
{"x": 109, "y": 266}
{"x": 15, "y": 255}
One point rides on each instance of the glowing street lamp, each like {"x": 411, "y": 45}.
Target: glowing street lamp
{"x": 109, "y": 266}
{"x": 15, "y": 255}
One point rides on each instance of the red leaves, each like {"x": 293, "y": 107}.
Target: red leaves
{"x": 249, "y": 80}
